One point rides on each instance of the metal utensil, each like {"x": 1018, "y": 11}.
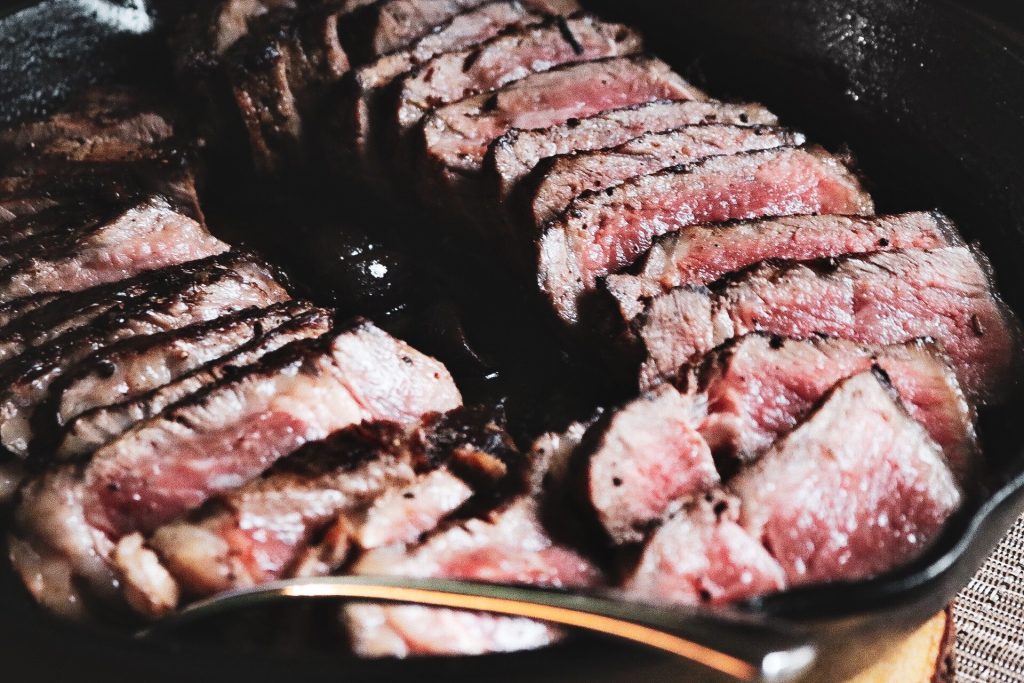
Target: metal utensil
{"x": 744, "y": 647}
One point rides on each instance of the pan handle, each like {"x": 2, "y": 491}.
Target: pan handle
{"x": 744, "y": 647}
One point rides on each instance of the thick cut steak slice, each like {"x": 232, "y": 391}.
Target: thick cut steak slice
{"x": 456, "y": 75}
{"x": 386, "y": 26}
{"x": 643, "y": 457}
{"x": 558, "y": 180}
{"x": 886, "y": 298}
{"x": 148, "y": 236}
{"x": 135, "y": 366}
{"x": 71, "y": 517}
{"x": 361, "y": 105}
{"x": 28, "y": 378}
{"x": 103, "y": 125}
{"x": 513, "y": 155}
{"x": 694, "y": 255}
{"x": 601, "y": 233}
{"x": 101, "y": 425}
{"x": 831, "y": 502}
{"x": 65, "y": 312}
{"x": 508, "y": 546}
{"x": 370, "y": 486}
{"x": 453, "y": 139}
{"x": 703, "y": 556}
{"x": 759, "y": 387}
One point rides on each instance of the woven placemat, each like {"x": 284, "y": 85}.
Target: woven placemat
{"x": 989, "y": 617}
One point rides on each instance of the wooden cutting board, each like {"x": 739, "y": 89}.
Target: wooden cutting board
{"x": 925, "y": 657}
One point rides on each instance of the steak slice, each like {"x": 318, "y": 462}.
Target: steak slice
{"x": 517, "y": 152}
{"x": 886, "y": 298}
{"x": 16, "y": 309}
{"x": 367, "y": 94}
{"x": 365, "y": 487}
{"x": 642, "y": 458}
{"x": 601, "y": 233}
{"x": 147, "y": 236}
{"x": 509, "y": 57}
{"x": 136, "y": 366}
{"x": 758, "y": 388}
{"x": 509, "y": 545}
{"x": 558, "y": 180}
{"x": 100, "y": 425}
{"x": 387, "y": 26}
{"x": 65, "y": 312}
{"x": 27, "y": 378}
{"x": 693, "y": 255}
{"x": 701, "y": 555}
{"x": 833, "y": 503}
{"x": 454, "y": 139}
{"x": 71, "y": 517}
{"x": 102, "y": 125}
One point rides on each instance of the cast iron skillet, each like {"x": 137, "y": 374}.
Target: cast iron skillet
{"x": 930, "y": 97}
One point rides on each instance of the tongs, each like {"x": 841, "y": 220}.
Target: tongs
{"x": 744, "y": 647}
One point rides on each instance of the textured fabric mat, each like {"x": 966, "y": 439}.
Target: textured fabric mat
{"x": 989, "y": 617}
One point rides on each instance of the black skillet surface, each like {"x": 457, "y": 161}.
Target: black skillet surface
{"x": 928, "y": 95}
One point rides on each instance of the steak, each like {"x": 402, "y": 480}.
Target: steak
{"x": 278, "y": 74}
{"x": 601, "y": 233}
{"x": 387, "y": 26}
{"x": 642, "y": 458}
{"x": 517, "y": 152}
{"x": 758, "y": 388}
{"x": 509, "y": 57}
{"x": 454, "y": 138}
{"x": 102, "y": 125}
{"x": 366, "y": 487}
{"x": 188, "y": 300}
{"x": 71, "y": 517}
{"x": 135, "y": 366}
{"x": 694, "y": 255}
{"x": 361, "y": 105}
{"x": 558, "y": 180}
{"x": 148, "y": 236}
{"x": 833, "y": 503}
{"x": 509, "y": 545}
{"x": 99, "y": 426}
{"x": 16, "y": 309}
{"x": 701, "y": 555}
{"x": 886, "y": 298}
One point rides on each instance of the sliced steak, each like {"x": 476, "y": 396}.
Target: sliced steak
{"x": 515, "y": 153}
{"x": 509, "y": 545}
{"x": 454, "y": 139}
{"x": 14, "y": 310}
{"x": 759, "y": 387}
{"x": 148, "y": 236}
{"x": 99, "y": 426}
{"x": 601, "y": 233}
{"x": 366, "y": 487}
{"x": 383, "y": 27}
{"x": 28, "y": 377}
{"x": 694, "y": 255}
{"x": 886, "y": 298}
{"x": 71, "y": 517}
{"x": 366, "y": 94}
{"x": 559, "y": 180}
{"x": 703, "y": 556}
{"x": 65, "y": 312}
{"x": 833, "y": 503}
{"x": 642, "y": 458}
{"x": 135, "y": 366}
{"x": 509, "y": 57}
{"x": 103, "y": 125}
